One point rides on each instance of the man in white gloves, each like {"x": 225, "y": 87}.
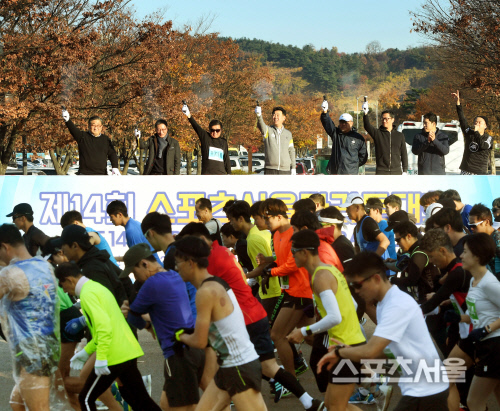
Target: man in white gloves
{"x": 278, "y": 143}
{"x": 94, "y": 148}
{"x": 113, "y": 342}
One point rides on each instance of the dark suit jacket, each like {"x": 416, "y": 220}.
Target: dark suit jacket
{"x": 172, "y": 159}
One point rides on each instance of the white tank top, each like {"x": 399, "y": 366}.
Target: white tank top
{"x": 229, "y": 336}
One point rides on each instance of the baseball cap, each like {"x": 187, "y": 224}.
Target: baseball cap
{"x": 21, "y": 209}
{"x": 432, "y": 209}
{"x": 74, "y": 234}
{"x": 51, "y": 247}
{"x": 353, "y": 198}
{"x": 133, "y": 255}
{"x": 346, "y": 117}
{"x": 395, "y": 218}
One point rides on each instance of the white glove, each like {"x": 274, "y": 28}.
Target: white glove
{"x": 79, "y": 359}
{"x": 405, "y": 174}
{"x": 65, "y": 115}
{"x": 324, "y": 106}
{"x": 115, "y": 172}
{"x": 185, "y": 110}
{"x": 101, "y": 368}
{"x": 137, "y": 133}
{"x": 258, "y": 110}
{"x": 364, "y": 107}
{"x": 294, "y": 171}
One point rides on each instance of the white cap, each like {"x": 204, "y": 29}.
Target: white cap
{"x": 353, "y": 198}
{"x": 346, "y": 117}
{"x": 432, "y": 209}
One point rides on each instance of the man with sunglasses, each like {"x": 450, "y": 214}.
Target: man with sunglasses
{"x": 401, "y": 328}
{"x": 390, "y": 145}
{"x": 214, "y": 148}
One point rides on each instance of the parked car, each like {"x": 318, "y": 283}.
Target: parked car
{"x": 235, "y": 163}
{"x": 309, "y": 163}
{"x": 301, "y": 169}
{"x": 257, "y": 165}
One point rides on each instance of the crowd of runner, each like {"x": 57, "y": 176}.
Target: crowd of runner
{"x": 227, "y": 299}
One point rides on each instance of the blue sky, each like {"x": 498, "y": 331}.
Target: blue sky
{"x": 349, "y": 26}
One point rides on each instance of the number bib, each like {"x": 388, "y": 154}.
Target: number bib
{"x": 471, "y": 306}
{"x": 215, "y": 154}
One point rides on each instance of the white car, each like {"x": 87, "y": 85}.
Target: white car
{"x": 257, "y": 165}
{"x": 235, "y": 163}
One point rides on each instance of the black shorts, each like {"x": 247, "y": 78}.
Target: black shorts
{"x": 297, "y": 303}
{"x": 487, "y": 358}
{"x": 347, "y": 371}
{"x": 183, "y": 376}
{"x": 468, "y": 347}
{"x": 434, "y": 402}
{"x": 38, "y": 355}
{"x": 240, "y": 378}
{"x": 261, "y": 339}
{"x": 272, "y": 306}
{"x": 65, "y": 316}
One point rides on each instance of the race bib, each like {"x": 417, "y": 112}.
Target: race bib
{"x": 471, "y": 306}
{"x": 285, "y": 283}
{"x": 215, "y": 154}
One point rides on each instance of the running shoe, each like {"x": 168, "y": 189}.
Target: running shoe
{"x": 301, "y": 365}
{"x": 318, "y": 405}
{"x": 383, "y": 396}
{"x": 100, "y": 405}
{"x": 358, "y": 398}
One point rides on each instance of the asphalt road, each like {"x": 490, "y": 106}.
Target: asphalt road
{"x": 152, "y": 363}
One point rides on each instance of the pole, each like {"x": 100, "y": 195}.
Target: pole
{"x": 357, "y": 113}
{"x": 376, "y": 113}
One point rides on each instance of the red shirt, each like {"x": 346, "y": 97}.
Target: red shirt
{"x": 222, "y": 264}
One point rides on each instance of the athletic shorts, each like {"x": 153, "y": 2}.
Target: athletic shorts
{"x": 272, "y": 306}
{"x": 346, "y": 371}
{"x": 468, "y": 347}
{"x": 240, "y": 378}
{"x": 65, "y": 316}
{"x": 182, "y": 377}
{"x": 430, "y": 403}
{"x": 488, "y": 358}
{"x": 261, "y": 339}
{"x": 38, "y": 356}
{"x": 296, "y": 303}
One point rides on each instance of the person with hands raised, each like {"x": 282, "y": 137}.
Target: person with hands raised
{"x": 94, "y": 148}
{"x": 477, "y": 142}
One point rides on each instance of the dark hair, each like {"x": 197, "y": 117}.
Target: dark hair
{"x": 334, "y": 213}
{"x": 116, "y": 207}
{"x": 447, "y": 202}
{"x": 305, "y": 204}
{"x": 318, "y": 198}
{"x": 405, "y": 228}
{"x": 29, "y": 217}
{"x": 93, "y": 118}
{"x": 279, "y": 108}
{"x": 69, "y": 217}
{"x": 485, "y": 118}
{"x": 195, "y": 229}
{"x": 159, "y": 222}
{"x": 430, "y": 197}
{"x": 151, "y": 259}
{"x": 496, "y": 203}
{"x": 239, "y": 209}
{"x": 449, "y": 216}
{"x": 434, "y": 239}
{"x": 193, "y": 248}
{"x": 256, "y": 209}
{"x": 274, "y": 206}
{"x": 204, "y": 203}
{"x": 304, "y": 239}
{"x": 374, "y": 202}
{"x": 482, "y": 246}
{"x": 390, "y": 112}
{"x": 65, "y": 270}
{"x": 452, "y": 194}
{"x": 228, "y": 204}
{"x": 305, "y": 218}
{"x": 228, "y": 230}
{"x": 214, "y": 123}
{"x": 365, "y": 264}
{"x": 9, "y": 234}
{"x": 393, "y": 200}
{"x": 431, "y": 117}
{"x": 161, "y": 121}
{"x": 481, "y": 212}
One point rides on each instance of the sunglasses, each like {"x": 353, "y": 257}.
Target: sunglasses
{"x": 476, "y": 224}
{"x": 215, "y": 130}
{"x": 15, "y": 217}
{"x": 295, "y": 250}
{"x": 358, "y": 284}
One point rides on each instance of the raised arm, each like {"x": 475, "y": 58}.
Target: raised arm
{"x": 368, "y": 127}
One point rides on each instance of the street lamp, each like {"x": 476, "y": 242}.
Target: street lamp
{"x": 357, "y": 111}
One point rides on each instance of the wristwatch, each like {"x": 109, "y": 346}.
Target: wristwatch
{"x": 337, "y": 348}
{"x": 308, "y": 331}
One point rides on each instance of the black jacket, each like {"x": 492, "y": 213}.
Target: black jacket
{"x": 95, "y": 264}
{"x": 171, "y": 158}
{"x": 431, "y": 155}
{"x": 209, "y": 165}
{"x": 390, "y": 149}
{"x": 476, "y": 147}
{"x": 348, "y": 150}
{"x": 94, "y": 152}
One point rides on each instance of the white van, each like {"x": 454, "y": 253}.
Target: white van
{"x": 453, "y": 159}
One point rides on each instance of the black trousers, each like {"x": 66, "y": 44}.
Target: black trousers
{"x": 276, "y": 172}
{"x": 133, "y": 390}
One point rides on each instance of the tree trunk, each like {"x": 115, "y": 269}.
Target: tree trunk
{"x": 250, "y": 160}
{"x": 56, "y": 157}
{"x": 492, "y": 161}
{"x": 198, "y": 171}
{"x": 189, "y": 156}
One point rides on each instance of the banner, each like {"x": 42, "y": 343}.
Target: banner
{"x": 52, "y": 196}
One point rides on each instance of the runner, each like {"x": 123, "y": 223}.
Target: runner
{"x": 373, "y": 208}
{"x": 450, "y": 221}
{"x": 34, "y": 238}
{"x": 464, "y": 209}
{"x": 319, "y": 200}
{"x": 258, "y": 216}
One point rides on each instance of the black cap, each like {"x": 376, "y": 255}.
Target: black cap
{"x": 397, "y": 217}
{"x": 75, "y": 234}
{"x": 133, "y": 256}
{"x": 21, "y": 209}
{"x": 52, "y": 246}
{"x": 485, "y": 119}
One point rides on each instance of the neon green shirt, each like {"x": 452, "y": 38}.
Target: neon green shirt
{"x": 64, "y": 300}
{"x": 260, "y": 242}
{"x": 112, "y": 338}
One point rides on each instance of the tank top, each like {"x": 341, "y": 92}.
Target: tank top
{"x": 348, "y": 331}
{"x": 229, "y": 336}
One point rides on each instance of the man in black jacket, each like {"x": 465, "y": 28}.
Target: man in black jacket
{"x": 477, "y": 143}
{"x": 94, "y": 148}
{"x": 214, "y": 149}
{"x": 390, "y": 145}
{"x": 348, "y": 147}
{"x": 431, "y": 145}
{"x": 164, "y": 153}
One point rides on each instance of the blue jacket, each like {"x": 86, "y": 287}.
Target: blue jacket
{"x": 431, "y": 155}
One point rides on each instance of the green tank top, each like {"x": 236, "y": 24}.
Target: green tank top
{"x": 348, "y": 331}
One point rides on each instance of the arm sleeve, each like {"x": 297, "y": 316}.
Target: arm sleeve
{"x": 112, "y": 154}
{"x": 442, "y": 143}
{"x": 227, "y": 161}
{"x": 328, "y": 125}
{"x": 143, "y": 144}
{"x": 262, "y": 127}
{"x": 202, "y": 134}
{"x": 285, "y": 269}
{"x": 370, "y": 229}
{"x": 368, "y": 127}
{"x": 453, "y": 283}
{"x": 362, "y": 154}
{"x": 333, "y": 315}
{"x": 136, "y": 320}
{"x": 76, "y": 133}
{"x": 464, "y": 125}
{"x": 404, "y": 156}
{"x": 414, "y": 272}
{"x": 291, "y": 152}
{"x": 485, "y": 141}
{"x": 142, "y": 303}
{"x": 420, "y": 143}
{"x": 40, "y": 238}
{"x": 101, "y": 326}
{"x": 492, "y": 291}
